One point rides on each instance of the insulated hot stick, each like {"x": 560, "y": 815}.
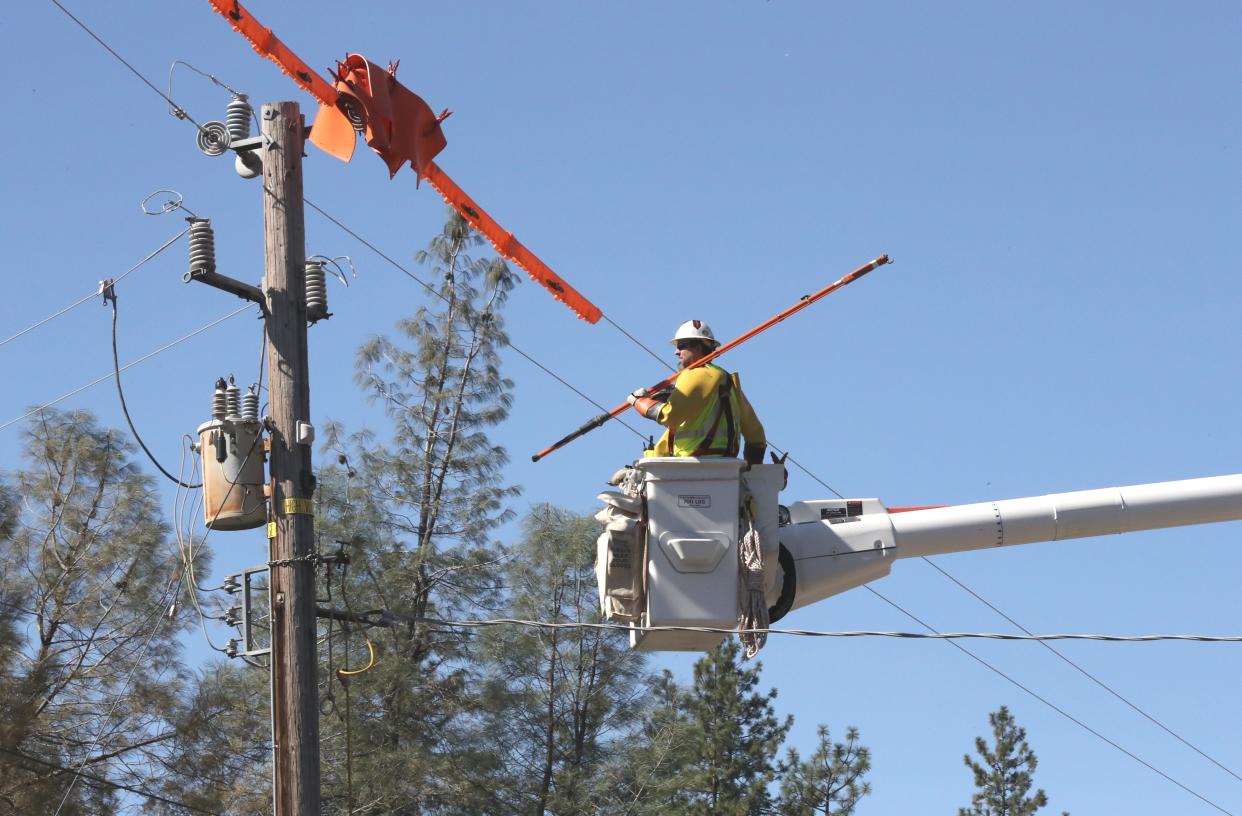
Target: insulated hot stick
{"x": 806, "y": 300}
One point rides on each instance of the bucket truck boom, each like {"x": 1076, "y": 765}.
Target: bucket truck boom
{"x": 813, "y": 550}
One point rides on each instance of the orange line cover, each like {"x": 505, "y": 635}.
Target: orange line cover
{"x": 400, "y": 127}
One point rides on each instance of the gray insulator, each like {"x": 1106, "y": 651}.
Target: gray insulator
{"x": 316, "y": 291}
{"x": 219, "y": 401}
{"x": 233, "y": 396}
{"x": 202, "y": 246}
{"x": 237, "y": 118}
{"x": 250, "y": 404}
{"x": 213, "y": 138}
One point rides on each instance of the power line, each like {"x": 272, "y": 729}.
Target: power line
{"x": 377, "y": 616}
{"x": 1047, "y": 702}
{"x": 51, "y": 317}
{"x": 1085, "y": 673}
{"x": 155, "y": 797}
{"x": 179, "y": 112}
{"x": 431, "y": 290}
{"x": 638, "y": 342}
{"x": 125, "y": 367}
{"x": 97, "y": 292}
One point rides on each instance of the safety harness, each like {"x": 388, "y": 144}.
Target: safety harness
{"x": 723, "y": 413}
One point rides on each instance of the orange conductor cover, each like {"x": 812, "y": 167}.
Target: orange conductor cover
{"x": 400, "y": 127}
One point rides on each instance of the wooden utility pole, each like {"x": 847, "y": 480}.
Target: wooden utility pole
{"x": 295, "y": 709}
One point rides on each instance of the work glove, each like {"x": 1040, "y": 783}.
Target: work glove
{"x": 645, "y": 403}
{"x": 638, "y": 394}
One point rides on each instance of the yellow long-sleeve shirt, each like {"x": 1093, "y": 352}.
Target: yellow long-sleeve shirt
{"x": 690, "y": 397}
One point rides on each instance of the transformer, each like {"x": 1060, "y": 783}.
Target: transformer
{"x": 232, "y": 450}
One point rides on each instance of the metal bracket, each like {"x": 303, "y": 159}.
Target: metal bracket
{"x": 243, "y": 290}
{"x": 253, "y": 611}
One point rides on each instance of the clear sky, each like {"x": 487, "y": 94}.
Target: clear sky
{"x": 1057, "y": 184}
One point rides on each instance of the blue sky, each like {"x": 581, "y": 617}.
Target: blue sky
{"x": 1057, "y": 184}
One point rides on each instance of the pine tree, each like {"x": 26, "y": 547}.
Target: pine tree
{"x": 558, "y": 699}
{"x": 415, "y": 514}
{"x": 645, "y": 777}
{"x": 829, "y": 781}
{"x": 91, "y": 675}
{"x": 713, "y": 746}
{"x": 1004, "y": 776}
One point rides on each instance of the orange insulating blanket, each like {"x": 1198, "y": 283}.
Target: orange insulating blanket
{"x": 400, "y": 127}
{"x": 397, "y": 123}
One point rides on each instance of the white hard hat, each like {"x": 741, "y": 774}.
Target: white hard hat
{"x": 695, "y": 330}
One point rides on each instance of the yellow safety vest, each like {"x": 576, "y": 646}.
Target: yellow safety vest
{"x": 716, "y": 430}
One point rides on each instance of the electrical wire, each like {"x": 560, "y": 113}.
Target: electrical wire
{"x": 116, "y": 370}
{"x": 1086, "y": 673}
{"x": 99, "y": 290}
{"x": 431, "y": 290}
{"x": 179, "y": 111}
{"x": 1048, "y": 703}
{"x": 51, "y": 317}
{"x": 172, "y": 108}
{"x": 181, "y": 114}
{"x": 638, "y": 342}
{"x": 378, "y": 615}
{"x": 125, "y": 367}
{"x": 154, "y": 797}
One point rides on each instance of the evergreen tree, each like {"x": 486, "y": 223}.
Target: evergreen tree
{"x": 222, "y": 754}
{"x": 646, "y": 778}
{"x": 829, "y": 781}
{"x": 90, "y": 674}
{"x": 557, "y": 699}
{"x": 416, "y": 513}
{"x": 1004, "y": 776}
{"x": 712, "y": 748}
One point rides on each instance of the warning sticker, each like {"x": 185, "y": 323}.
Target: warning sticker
{"x": 694, "y": 501}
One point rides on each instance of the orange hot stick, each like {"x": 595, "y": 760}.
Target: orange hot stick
{"x": 805, "y": 301}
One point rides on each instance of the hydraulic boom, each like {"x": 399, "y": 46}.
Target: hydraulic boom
{"x": 812, "y": 550}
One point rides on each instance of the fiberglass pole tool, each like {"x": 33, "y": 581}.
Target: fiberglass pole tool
{"x": 805, "y": 301}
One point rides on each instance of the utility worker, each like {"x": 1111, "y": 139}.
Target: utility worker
{"x": 706, "y": 411}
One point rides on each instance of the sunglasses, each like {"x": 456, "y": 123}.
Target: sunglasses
{"x": 682, "y": 345}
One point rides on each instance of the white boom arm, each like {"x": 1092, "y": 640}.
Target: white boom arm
{"x": 834, "y": 549}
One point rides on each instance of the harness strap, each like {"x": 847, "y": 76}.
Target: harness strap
{"x": 725, "y": 413}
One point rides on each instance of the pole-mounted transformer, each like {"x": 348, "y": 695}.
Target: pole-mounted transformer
{"x": 232, "y": 450}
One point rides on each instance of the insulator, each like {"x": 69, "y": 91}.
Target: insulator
{"x": 353, "y": 112}
{"x": 237, "y": 118}
{"x": 219, "y": 401}
{"x": 250, "y": 404}
{"x": 202, "y": 246}
{"x": 214, "y": 138}
{"x": 233, "y": 396}
{"x": 316, "y": 291}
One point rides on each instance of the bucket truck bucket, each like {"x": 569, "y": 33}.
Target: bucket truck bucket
{"x": 691, "y": 566}
{"x": 692, "y": 514}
